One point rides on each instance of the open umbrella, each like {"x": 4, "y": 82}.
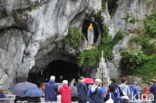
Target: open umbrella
{"x": 19, "y": 88}
{"x": 89, "y": 81}
{"x": 33, "y": 92}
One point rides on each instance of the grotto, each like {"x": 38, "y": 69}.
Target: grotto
{"x": 57, "y": 68}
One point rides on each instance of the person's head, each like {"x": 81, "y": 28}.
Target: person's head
{"x": 153, "y": 81}
{"x": 65, "y": 82}
{"x": 124, "y": 80}
{"x": 113, "y": 80}
{"x": 52, "y": 78}
{"x": 81, "y": 79}
{"x": 111, "y": 88}
{"x": 98, "y": 82}
{"x": 1, "y": 89}
{"x": 61, "y": 76}
{"x": 135, "y": 83}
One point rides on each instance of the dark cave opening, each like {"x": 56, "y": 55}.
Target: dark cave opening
{"x": 85, "y": 26}
{"x": 57, "y": 68}
{"x": 112, "y": 6}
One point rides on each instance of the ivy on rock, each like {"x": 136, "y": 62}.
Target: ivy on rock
{"x": 74, "y": 37}
{"x": 143, "y": 63}
{"x": 92, "y": 57}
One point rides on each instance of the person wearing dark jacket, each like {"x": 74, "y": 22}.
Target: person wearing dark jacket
{"x": 153, "y": 89}
{"x": 82, "y": 91}
{"x": 111, "y": 92}
{"x": 117, "y": 90}
{"x": 2, "y": 94}
{"x": 51, "y": 90}
{"x": 96, "y": 93}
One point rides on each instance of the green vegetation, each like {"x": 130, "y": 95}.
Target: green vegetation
{"x": 98, "y": 16}
{"x": 129, "y": 20}
{"x": 92, "y": 57}
{"x": 89, "y": 58}
{"x": 150, "y": 25}
{"x": 30, "y": 8}
{"x": 140, "y": 64}
{"x": 74, "y": 37}
{"x": 143, "y": 63}
{"x": 133, "y": 20}
{"x": 104, "y": 4}
{"x": 118, "y": 36}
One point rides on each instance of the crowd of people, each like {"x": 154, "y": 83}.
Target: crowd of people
{"x": 94, "y": 92}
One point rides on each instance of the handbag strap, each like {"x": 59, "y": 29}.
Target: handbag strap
{"x": 110, "y": 95}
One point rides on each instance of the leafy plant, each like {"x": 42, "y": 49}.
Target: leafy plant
{"x": 118, "y": 36}
{"x": 133, "y": 20}
{"x": 30, "y": 8}
{"x": 89, "y": 58}
{"x": 74, "y": 37}
{"x": 143, "y": 63}
{"x": 150, "y": 25}
{"x": 104, "y": 4}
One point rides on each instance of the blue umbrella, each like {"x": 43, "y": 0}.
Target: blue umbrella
{"x": 33, "y": 92}
{"x": 19, "y": 88}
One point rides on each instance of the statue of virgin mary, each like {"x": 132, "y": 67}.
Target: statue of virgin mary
{"x": 90, "y": 35}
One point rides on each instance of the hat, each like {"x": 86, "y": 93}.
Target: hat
{"x": 153, "y": 80}
{"x": 52, "y": 77}
{"x": 98, "y": 80}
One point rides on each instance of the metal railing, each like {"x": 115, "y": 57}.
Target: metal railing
{"x": 142, "y": 99}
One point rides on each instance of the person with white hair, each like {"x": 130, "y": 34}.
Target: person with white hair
{"x": 51, "y": 90}
{"x": 65, "y": 92}
{"x": 96, "y": 93}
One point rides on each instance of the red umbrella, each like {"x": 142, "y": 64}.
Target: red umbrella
{"x": 89, "y": 81}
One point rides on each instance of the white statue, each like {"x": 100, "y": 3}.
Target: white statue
{"x": 102, "y": 72}
{"x": 90, "y": 35}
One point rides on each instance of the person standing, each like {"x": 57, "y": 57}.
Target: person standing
{"x": 126, "y": 91}
{"x": 2, "y": 94}
{"x": 60, "y": 79}
{"x": 96, "y": 93}
{"x": 111, "y": 94}
{"x": 51, "y": 90}
{"x": 82, "y": 90}
{"x": 134, "y": 92}
{"x": 65, "y": 92}
{"x": 153, "y": 89}
{"x": 117, "y": 90}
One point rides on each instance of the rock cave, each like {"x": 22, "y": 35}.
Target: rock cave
{"x": 57, "y": 68}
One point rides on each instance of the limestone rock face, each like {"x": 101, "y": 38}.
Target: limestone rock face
{"x": 30, "y": 29}
{"x": 137, "y": 9}
{"x": 32, "y": 32}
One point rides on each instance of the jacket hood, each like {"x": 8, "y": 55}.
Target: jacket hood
{"x": 51, "y": 81}
{"x": 79, "y": 84}
{"x": 93, "y": 88}
{"x": 123, "y": 86}
{"x": 65, "y": 86}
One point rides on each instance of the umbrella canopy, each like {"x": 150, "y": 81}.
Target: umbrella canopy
{"x": 19, "y": 88}
{"x": 89, "y": 81}
{"x": 33, "y": 92}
